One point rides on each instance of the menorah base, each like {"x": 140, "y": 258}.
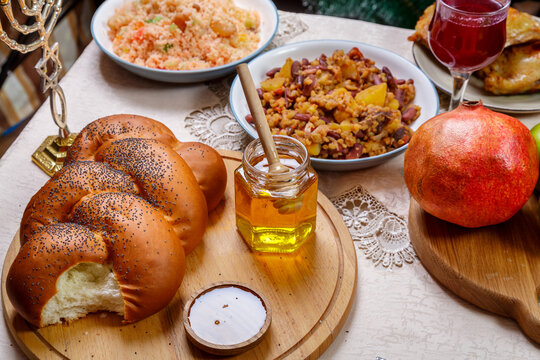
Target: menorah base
{"x": 50, "y": 155}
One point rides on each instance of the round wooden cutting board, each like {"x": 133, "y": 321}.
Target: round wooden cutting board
{"x": 495, "y": 267}
{"x": 309, "y": 292}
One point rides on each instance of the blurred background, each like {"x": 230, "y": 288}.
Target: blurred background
{"x": 20, "y": 93}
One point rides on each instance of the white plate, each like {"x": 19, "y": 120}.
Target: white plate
{"x": 269, "y": 25}
{"x": 426, "y": 95}
{"x": 439, "y": 74}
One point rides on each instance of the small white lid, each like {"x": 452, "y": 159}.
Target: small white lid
{"x": 226, "y": 318}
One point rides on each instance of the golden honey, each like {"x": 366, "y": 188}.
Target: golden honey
{"x": 276, "y": 212}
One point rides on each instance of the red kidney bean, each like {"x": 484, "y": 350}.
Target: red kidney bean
{"x": 389, "y": 79}
{"x": 322, "y": 60}
{"x": 300, "y": 79}
{"x": 355, "y": 152}
{"x": 333, "y": 134}
{"x": 400, "y": 97}
{"x": 323, "y": 153}
{"x": 326, "y": 119}
{"x": 302, "y": 117}
{"x": 400, "y": 81}
{"x": 290, "y": 94}
{"x": 295, "y": 68}
{"x": 306, "y": 91}
{"x": 408, "y": 115}
{"x": 305, "y": 62}
{"x": 286, "y": 97}
{"x": 355, "y": 54}
{"x": 360, "y": 134}
{"x": 339, "y": 149}
{"x": 249, "y": 118}
{"x": 260, "y": 93}
{"x": 273, "y": 72}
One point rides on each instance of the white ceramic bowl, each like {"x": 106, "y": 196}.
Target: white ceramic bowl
{"x": 426, "y": 95}
{"x": 269, "y": 25}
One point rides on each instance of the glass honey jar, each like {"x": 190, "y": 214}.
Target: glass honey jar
{"x": 276, "y": 212}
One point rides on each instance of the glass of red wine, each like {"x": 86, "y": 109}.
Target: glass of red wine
{"x": 466, "y": 36}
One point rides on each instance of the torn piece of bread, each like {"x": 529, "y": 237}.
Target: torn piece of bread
{"x": 84, "y": 288}
{"x": 115, "y": 252}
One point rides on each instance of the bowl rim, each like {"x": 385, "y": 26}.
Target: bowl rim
{"x": 337, "y": 162}
{"x": 112, "y": 55}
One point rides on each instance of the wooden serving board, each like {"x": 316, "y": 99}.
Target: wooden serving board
{"x": 310, "y": 295}
{"x": 495, "y": 267}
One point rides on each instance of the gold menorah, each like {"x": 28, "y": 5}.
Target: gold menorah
{"x": 43, "y": 15}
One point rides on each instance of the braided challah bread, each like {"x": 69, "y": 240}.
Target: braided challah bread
{"x": 206, "y": 164}
{"x": 110, "y": 230}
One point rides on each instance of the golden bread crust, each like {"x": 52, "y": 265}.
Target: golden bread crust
{"x": 166, "y": 182}
{"x": 31, "y": 280}
{"x": 127, "y": 199}
{"x": 55, "y": 200}
{"x": 148, "y": 260}
{"x": 209, "y": 169}
{"x": 207, "y": 165}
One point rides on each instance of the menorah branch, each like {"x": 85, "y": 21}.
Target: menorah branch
{"x": 43, "y": 15}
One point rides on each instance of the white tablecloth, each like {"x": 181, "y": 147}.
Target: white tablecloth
{"x": 398, "y": 313}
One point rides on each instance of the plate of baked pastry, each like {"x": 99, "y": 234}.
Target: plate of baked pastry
{"x": 511, "y": 83}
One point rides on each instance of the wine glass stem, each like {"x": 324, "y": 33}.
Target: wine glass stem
{"x": 460, "y": 83}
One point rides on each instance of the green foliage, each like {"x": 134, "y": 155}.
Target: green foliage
{"x": 401, "y": 13}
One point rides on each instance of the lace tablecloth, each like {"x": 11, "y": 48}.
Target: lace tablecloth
{"x": 399, "y": 311}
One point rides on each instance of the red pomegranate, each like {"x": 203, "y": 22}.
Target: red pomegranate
{"x": 471, "y": 166}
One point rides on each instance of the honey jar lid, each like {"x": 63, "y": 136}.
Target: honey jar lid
{"x": 226, "y": 318}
